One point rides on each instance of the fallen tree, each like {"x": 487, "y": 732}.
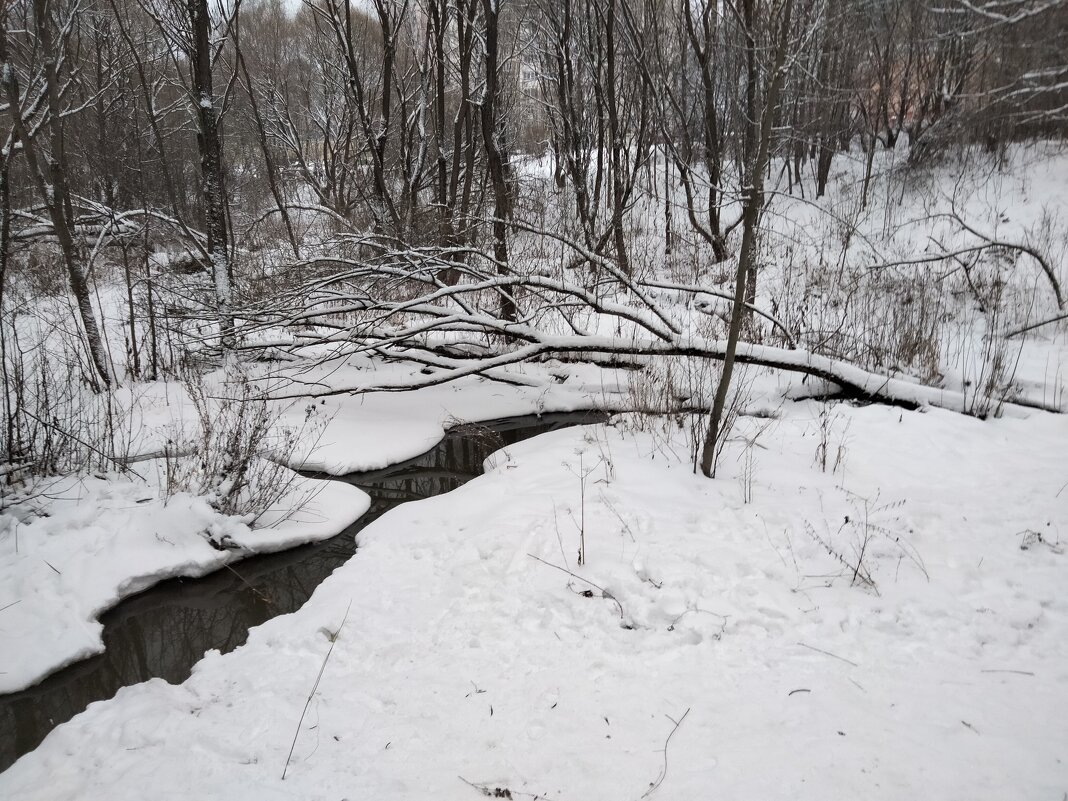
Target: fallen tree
{"x": 397, "y": 304}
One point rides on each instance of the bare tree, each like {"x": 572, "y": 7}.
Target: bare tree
{"x": 39, "y": 112}
{"x": 188, "y": 27}
{"x": 496, "y": 149}
{"x": 767, "y": 29}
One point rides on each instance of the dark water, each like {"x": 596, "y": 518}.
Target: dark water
{"x": 165, "y": 630}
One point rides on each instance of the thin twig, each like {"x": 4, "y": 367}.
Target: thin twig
{"x": 1018, "y": 672}
{"x": 307, "y": 703}
{"x": 497, "y": 792}
{"x": 118, "y": 462}
{"x": 664, "y": 770}
{"x": 619, "y": 517}
{"x": 722, "y": 628}
{"x": 604, "y": 593}
{"x": 828, "y": 653}
{"x": 244, "y": 581}
{"x": 1032, "y": 326}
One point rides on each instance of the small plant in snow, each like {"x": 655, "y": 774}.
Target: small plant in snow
{"x": 1029, "y": 539}
{"x": 827, "y": 436}
{"x": 583, "y": 473}
{"x": 747, "y": 472}
{"x": 992, "y": 384}
{"x": 234, "y": 458}
{"x": 852, "y": 562}
{"x": 864, "y": 536}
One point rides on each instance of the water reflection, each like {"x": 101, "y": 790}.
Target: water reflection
{"x": 164, "y": 631}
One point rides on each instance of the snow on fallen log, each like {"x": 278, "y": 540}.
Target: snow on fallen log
{"x": 853, "y": 380}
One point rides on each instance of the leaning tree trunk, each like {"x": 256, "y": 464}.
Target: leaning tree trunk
{"x": 760, "y": 115}
{"x": 273, "y": 181}
{"x": 53, "y": 188}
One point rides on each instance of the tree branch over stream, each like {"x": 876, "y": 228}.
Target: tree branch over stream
{"x": 399, "y": 306}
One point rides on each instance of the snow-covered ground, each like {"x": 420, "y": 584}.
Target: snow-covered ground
{"x": 867, "y": 602}
{"x": 368, "y": 432}
{"x": 455, "y": 651}
{"x": 103, "y": 538}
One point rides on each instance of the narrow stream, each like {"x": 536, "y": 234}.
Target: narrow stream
{"x": 165, "y": 630}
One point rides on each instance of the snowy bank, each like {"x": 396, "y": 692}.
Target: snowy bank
{"x": 101, "y": 539}
{"x": 894, "y": 627}
{"x": 374, "y": 430}
{"x": 109, "y": 537}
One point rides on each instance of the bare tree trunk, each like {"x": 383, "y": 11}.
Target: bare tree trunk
{"x": 616, "y": 143}
{"x": 823, "y": 166}
{"x": 375, "y": 132}
{"x": 760, "y": 114}
{"x": 572, "y": 147}
{"x": 869, "y": 160}
{"x": 53, "y": 188}
{"x": 268, "y": 158}
{"x": 209, "y": 142}
{"x": 703, "y": 45}
{"x": 667, "y": 203}
{"x": 135, "y": 357}
{"x": 463, "y": 128}
{"x": 438, "y": 21}
{"x": 495, "y": 155}
{"x": 178, "y": 201}
{"x": 11, "y": 437}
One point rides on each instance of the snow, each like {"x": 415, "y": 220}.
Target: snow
{"x": 934, "y": 666}
{"x": 459, "y": 657}
{"x": 106, "y": 538}
{"x": 372, "y": 431}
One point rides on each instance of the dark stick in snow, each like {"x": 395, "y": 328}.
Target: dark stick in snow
{"x": 664, "y": 770}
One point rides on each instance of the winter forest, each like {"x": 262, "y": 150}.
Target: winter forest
{"x": 533, "y": 399}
